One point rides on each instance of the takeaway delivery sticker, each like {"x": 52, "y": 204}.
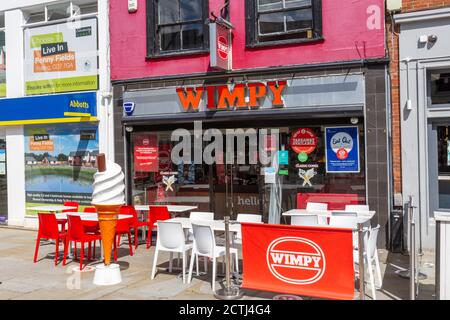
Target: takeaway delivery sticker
{"x": 295, "y": 260}
{"x": 303, "y": 140}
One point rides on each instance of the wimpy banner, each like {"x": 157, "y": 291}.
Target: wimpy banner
{"x": 306, "y": 261}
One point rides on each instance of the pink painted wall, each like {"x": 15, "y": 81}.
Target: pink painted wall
{"x": 347, "y": 28}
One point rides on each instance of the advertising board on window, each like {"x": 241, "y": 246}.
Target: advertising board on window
{"x": 60, "y": 162}
{"x": 61, "y": 57}
{"x": 342, "y": 149}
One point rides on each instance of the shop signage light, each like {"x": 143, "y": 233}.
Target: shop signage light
{"x": 240, "y": 96}
{"x": 220, "y": 45}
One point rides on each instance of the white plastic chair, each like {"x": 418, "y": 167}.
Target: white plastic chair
{"x": 244, "y": 217}
{"x": 171, "y": 238}
{"x": 371, "y": 257}
{"x": 205, "y": 246}
{"x": 344, "y": 214}
{"x": 357, "y": 208}
{"x": 247, "y": 217}
{"x": 343, "y": 221}
{"x": 197, "y": 215}
{"x": 305, "y": 220}
{"x": 318, "y": 206}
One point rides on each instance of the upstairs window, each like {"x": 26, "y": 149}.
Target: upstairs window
{"x": 271, "y": 22}
{"x": 177, "y": 26}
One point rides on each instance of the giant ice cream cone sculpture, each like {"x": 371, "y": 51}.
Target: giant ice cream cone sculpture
{"x": 107, "y": 197}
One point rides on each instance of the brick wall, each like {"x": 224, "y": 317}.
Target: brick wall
{"x": 415, "y": 5}
{"x": 392, "y": 44}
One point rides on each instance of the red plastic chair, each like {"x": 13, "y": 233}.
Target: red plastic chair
{"x": 135, "y": 223}
{"x": 123, "y": 227}
{"x": 76, "y": 234}
{"x": 71, "y": 204}
{"x": 156, "y": 213}
{"x": 62, "y": 222}
{"x": 48, "y": 229}
{"x": 91, "y": 226}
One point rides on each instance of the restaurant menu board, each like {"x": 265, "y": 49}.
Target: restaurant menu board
{"x": 146, "y": 153}
{"x": 342, "y": 150}
{"x": 61, "y": 57}
{"x": 60, "y": 163}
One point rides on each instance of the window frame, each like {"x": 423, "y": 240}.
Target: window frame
{"x": 252, "y": 27}
{"x": 153, "y": 43}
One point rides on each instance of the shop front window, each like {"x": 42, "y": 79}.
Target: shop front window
{"x": 443, "y": 134}
{"x": 440, "y": 88}
{"x": 261, "y": 170}
{"x": 3, "y": 181}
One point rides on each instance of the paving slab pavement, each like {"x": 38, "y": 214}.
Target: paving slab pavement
{"x": 22, "y": 279}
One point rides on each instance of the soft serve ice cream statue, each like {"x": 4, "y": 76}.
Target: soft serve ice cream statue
{"x": 108, "y": 197}
{"x": 109, "y": 184}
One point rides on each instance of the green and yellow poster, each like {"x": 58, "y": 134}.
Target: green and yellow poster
{"x": 61, "y": 57}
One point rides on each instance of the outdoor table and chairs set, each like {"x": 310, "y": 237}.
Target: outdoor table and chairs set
{"x": 193, "y": 235}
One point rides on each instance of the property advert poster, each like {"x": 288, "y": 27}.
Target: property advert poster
{"x": 60, "y": 162}
{"x": 342, "y": 149}
{"x": 61, "y": 57}
{"x": 146, "y": 154}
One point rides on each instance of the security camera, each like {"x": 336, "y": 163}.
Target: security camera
{"x": 432, "y": 38}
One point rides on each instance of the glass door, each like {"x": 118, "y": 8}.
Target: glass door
{"x": 236, "y": 181}
{"x": 3, "y": 183}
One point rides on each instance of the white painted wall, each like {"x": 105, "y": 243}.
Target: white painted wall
{"x": 105, "y": 109}
{"x": 14, "y": 53}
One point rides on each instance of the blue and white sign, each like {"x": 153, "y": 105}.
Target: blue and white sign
{"x": 128, "y": 108}
{"x": 342, "y": 150}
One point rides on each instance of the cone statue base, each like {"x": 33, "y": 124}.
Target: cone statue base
{"x": 107, "y": 275}
{"x": 107, "y": 219}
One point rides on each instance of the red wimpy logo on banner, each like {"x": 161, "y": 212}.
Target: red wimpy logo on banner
{"x": 306, "y": 261}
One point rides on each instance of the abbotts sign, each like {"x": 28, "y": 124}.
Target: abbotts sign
{"x": 232, "y": 97}
{"x": 296, "y": 260}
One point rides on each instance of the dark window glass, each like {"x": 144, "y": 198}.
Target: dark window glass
{"x": 170, "y": 38}
{"x": 179, "y": 25}
{"x": 191, "y": 10}
{"x": 271, "y": 22}
{"x": 279, "y": 20}
{"x": 169, "y": 12}
{"x": 299, "y": 19}
{"x": 440, "y": 87}
{"x": 192, "y": 36}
